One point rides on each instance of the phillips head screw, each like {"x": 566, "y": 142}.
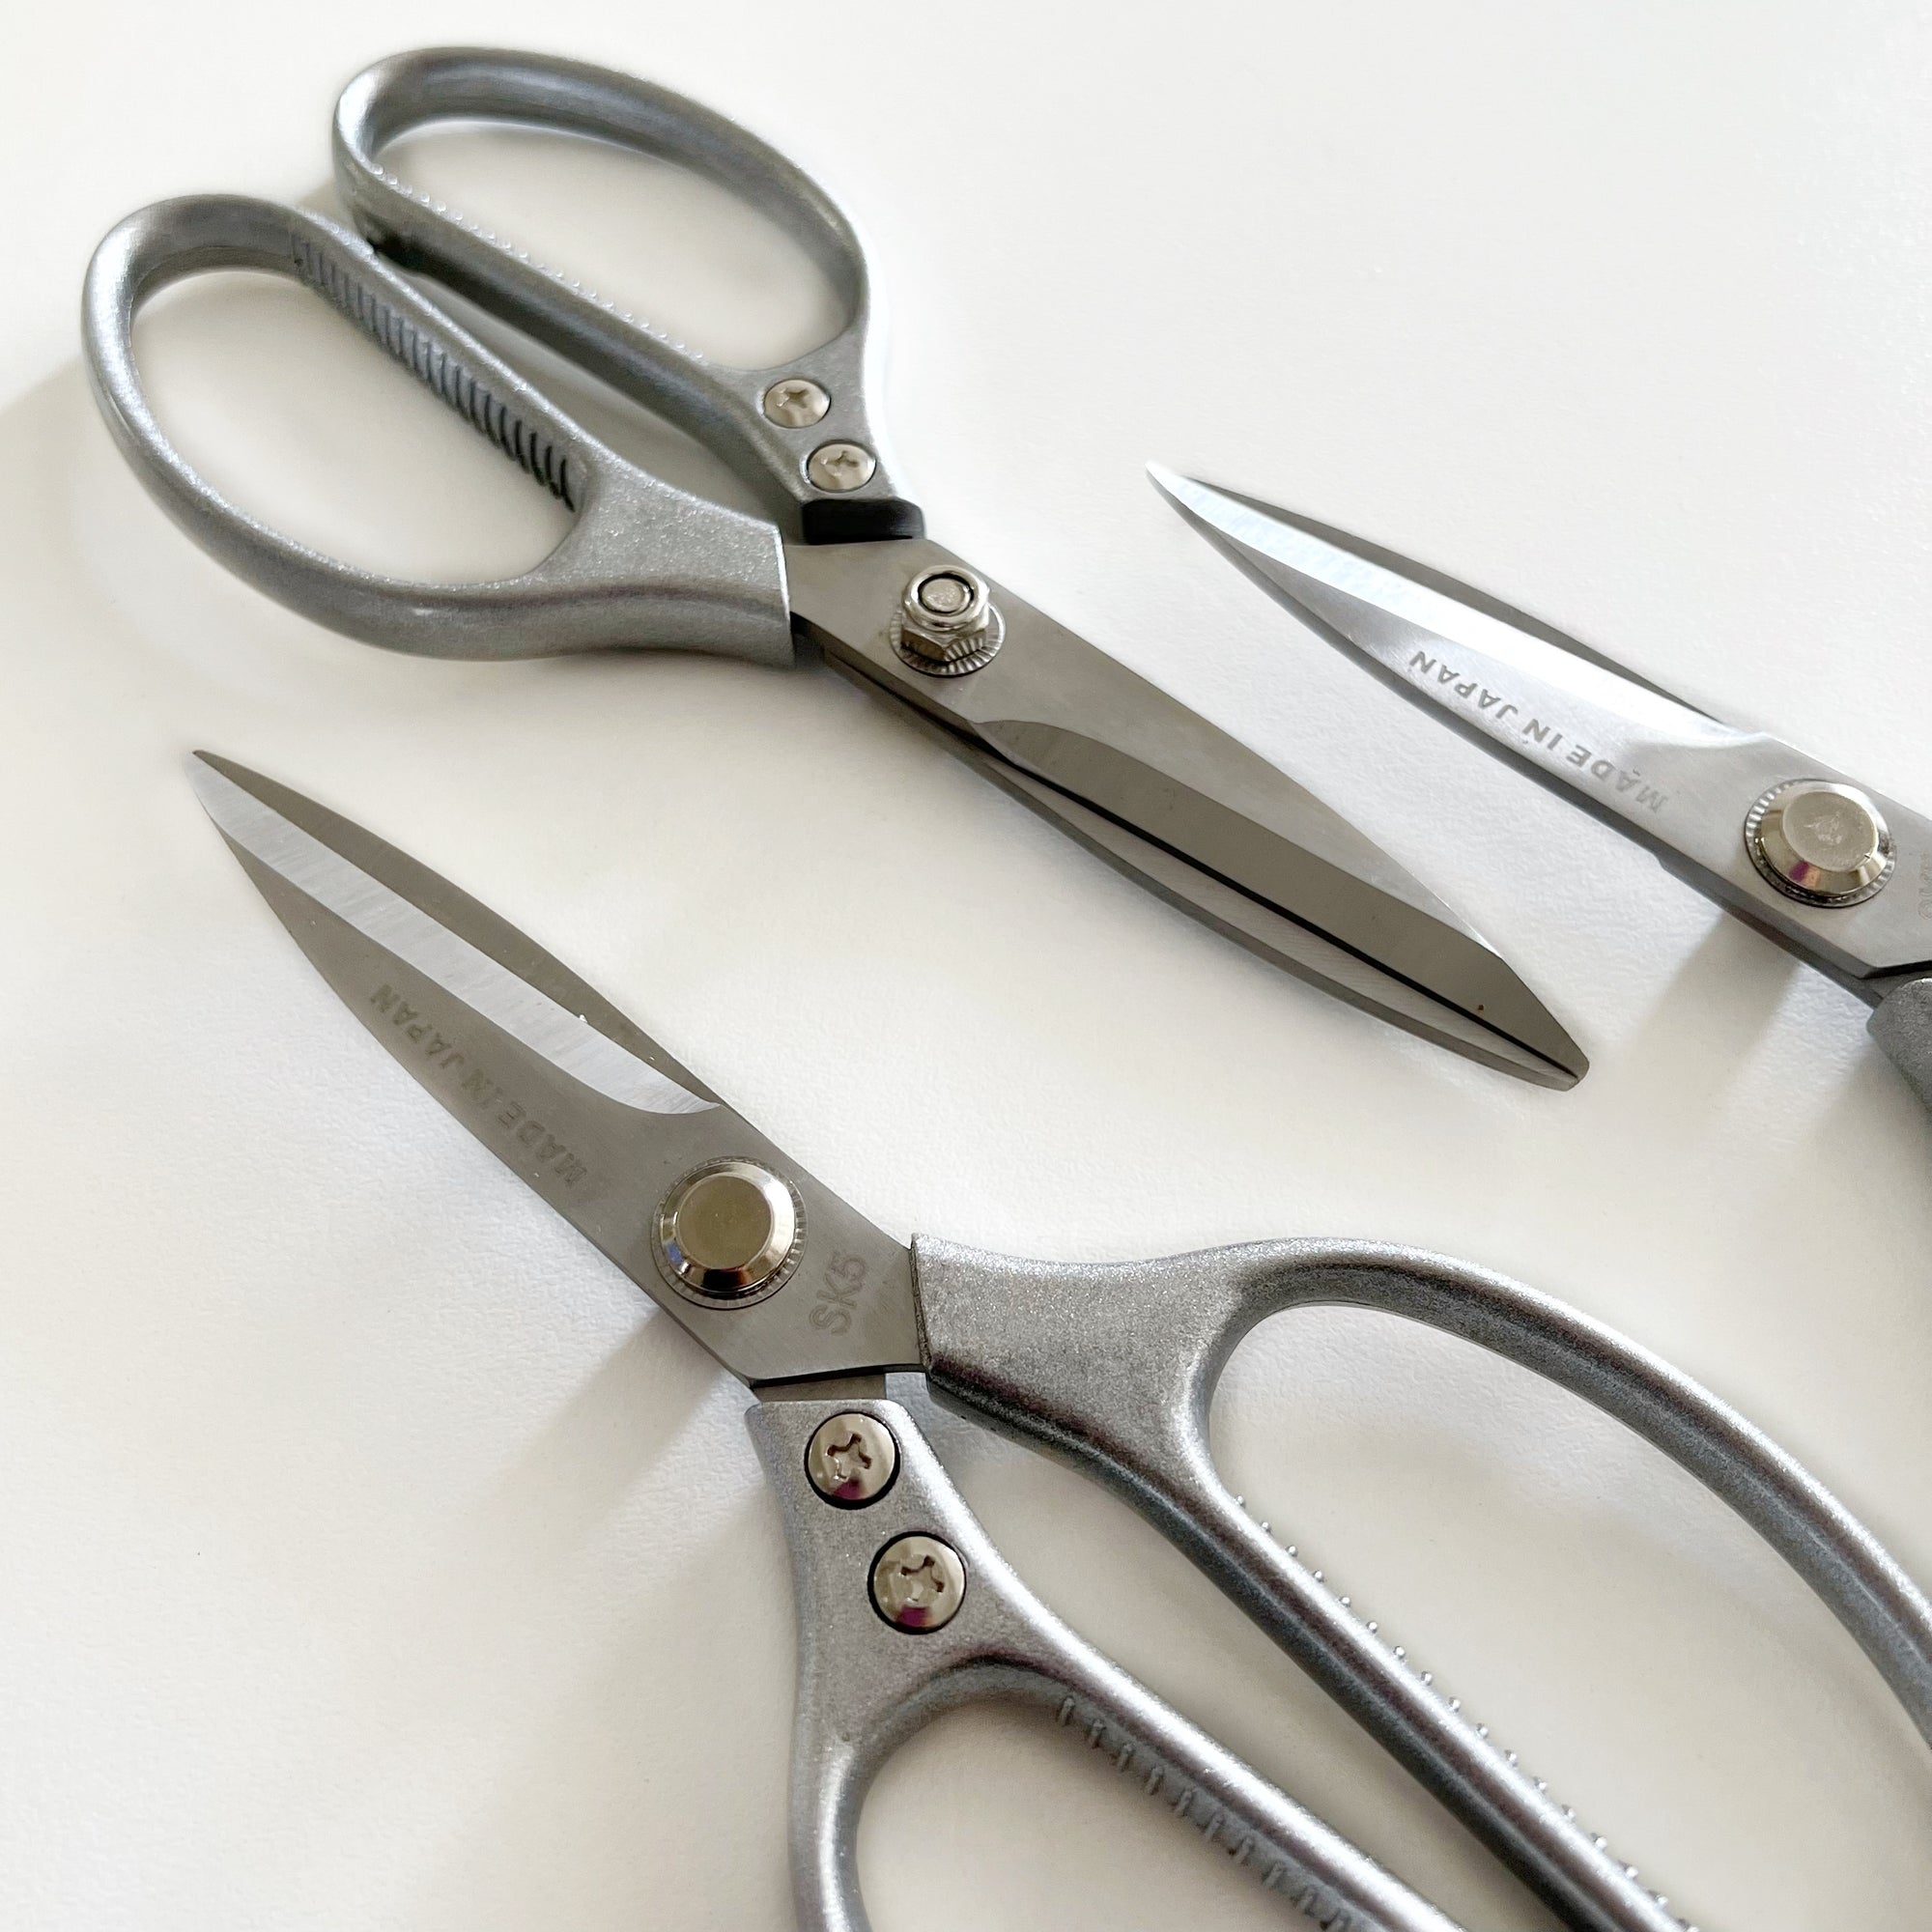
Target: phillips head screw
{"x": 917, "y": 1583}
{"x": 852, "y": 1459}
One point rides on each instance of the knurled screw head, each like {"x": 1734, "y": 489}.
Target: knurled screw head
{"x": 727, "y": 1231}
{"x": 950, "y": 602}
{"x": 942, "y": 595}
{"x": 852, "y": 1459}
{"x": 917, "y": 1583}
{"x": 1820, "y": 842}
{"x": 841, "y": 466}
{"x": 795, "y": 402}
{"x": 947, "y": 623}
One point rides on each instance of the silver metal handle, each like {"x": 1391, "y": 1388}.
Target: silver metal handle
{"x": 1113, "y": 1369}
{"x": 865, "y": 1686}
{"x": 1902, "y": 1026}
{"x": 722, "y": 407}
{"x": 642, "y": 564}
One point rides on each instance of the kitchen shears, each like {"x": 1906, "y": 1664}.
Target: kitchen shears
{"x": 1148, "y": 785}
{"x": 904, "y": 1608}
{"x": 1830, "y": 869}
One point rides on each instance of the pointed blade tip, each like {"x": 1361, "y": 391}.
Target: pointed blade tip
{"x": 207, "y": 771}
{"x": 1182, "y": 491}
{"x": 1560, "y": 1078}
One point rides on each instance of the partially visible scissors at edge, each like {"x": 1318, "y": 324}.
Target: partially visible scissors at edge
{"x": 1830, "y": 869}
{"x": 1149, "y": 785}
{"x": 905, "y": 1608}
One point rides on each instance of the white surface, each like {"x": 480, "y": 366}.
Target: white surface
{"x": 371, "y": 1556}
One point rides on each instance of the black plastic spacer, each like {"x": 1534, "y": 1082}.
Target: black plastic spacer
{"x": 836, "y": 520}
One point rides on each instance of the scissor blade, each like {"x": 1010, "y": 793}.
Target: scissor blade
{"x": 1659, "y": 769}
{"x": 1189, "y": 812}
{"x": 589, "y": 1110}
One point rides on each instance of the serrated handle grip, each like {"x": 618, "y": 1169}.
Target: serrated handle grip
{"x": 722, "y": 407}
{"x": 642, "y": 563}
{"x": 865, "y": 1686}
{"x": 1113, "y": 1368}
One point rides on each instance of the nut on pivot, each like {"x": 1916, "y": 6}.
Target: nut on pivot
{"x": 729, "y": 1231}
{"x": 1820, "y": 842}
{"x": 852, "y": 1459}
{"x": 917, "y": 1583}
{"x": 946, "y": 624}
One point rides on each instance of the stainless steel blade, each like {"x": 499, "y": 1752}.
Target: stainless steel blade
{"x": 1659, "y": 769}
{"x": 1188, "y": 811}
{"x": 582, "y": 1105}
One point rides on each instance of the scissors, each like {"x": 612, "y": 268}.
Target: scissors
{"x": 1830, "y": 869}
{"x": 904, "y": 1608}
{"x": 1150, "y": 786}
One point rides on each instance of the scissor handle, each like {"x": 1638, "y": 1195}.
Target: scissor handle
{"x": 840, "y": 501}
{"x": 642, "y": 563}
{"x": 1902, "y": 1025}
{"x": 1113, "y": 1369}
{"x": 865, "y": 1686}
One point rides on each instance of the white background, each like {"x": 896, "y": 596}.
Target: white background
{"x": 370, "y": 1554}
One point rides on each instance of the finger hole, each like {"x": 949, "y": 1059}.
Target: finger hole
{"x": 992, "y": 1817}
{"x": 1610, "y": 1621}
{"x": 284, "y": 408}
{"x": 664, "y": 245}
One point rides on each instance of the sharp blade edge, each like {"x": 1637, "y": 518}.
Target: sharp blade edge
{"x": 461, "y": 970}
{"x": 541, "y": 1071}
{"x": 1623, "y": 749}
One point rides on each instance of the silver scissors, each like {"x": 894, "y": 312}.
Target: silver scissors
{"x": 905, "y": 1608}
{"x": 1830, "y": 869}
{"x": 1150, "y": 785}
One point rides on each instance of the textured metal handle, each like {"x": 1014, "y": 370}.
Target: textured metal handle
{"x": 866, "y": 1686}
{"x": 1902, "y": 1026}
{"x": 642, "y": 564}
{"x": 722, "y": 407}
{"x": 1113, "y": 1369}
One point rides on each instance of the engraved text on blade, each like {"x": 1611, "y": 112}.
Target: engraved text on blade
{"x": 1495, "y": 711}
{"x": 473, "y": 1086}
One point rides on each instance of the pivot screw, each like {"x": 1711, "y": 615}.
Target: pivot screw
{"x": 841, "y": 466}
{"x": 729, "y": 1231}
{"x": 1820, "y": 842}
{"x": 795, "y": 402}
{"x": 917, "y": 1583}
{"x": 852, "y": 1459}
{"x": 947, "y": 624}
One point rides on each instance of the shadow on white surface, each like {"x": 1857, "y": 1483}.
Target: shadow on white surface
{"x": 360, "y": 1520}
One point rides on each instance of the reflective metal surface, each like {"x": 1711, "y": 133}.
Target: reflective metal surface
{"x": 840, "y": 466}
{"x": 1668, "y": 774}
{"x": 794, "y": 403}
{"x": 1820, "y": 843}
{"x": 1185, "y": 809}
{"x": 946, "y": 624}
{"x": 865, "y": 1686}
{"x": 1110, "y": 1367}
{"x": 589, "y": 1110}
{"x": 1155, "y": 790}
{"x": 722, "y": 407}
{"x": 1659, "y": 769}
{"x": 1113, "y": 1368}
{"x": 729, "y": 1231}
{"x": 918, "y": 1584}
{"x": 852, "y": 1459}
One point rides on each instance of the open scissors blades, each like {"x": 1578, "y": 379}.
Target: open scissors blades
{"x": 1175, "y": 803}
{"x": 1834, "y": 870}
{"x": 904, "y": 1608}
{"x": 1156, "y": 791}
